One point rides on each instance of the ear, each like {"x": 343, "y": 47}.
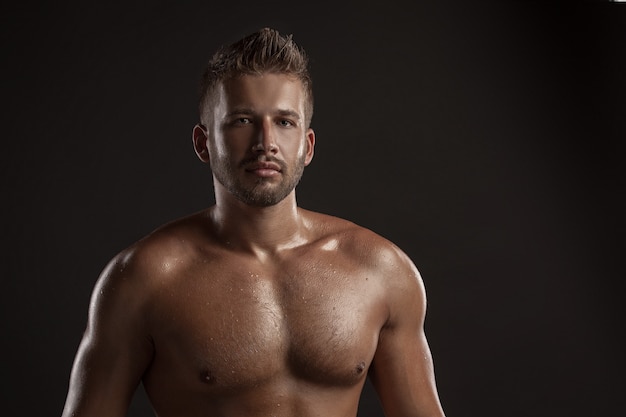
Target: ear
{"x": 310, "y": 146}
{"x": 200, "y": 137}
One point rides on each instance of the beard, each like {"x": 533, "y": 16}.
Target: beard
{"x": 258, "y": 192}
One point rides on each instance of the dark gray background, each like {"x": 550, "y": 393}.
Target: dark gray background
{"x": 486, "y": 140}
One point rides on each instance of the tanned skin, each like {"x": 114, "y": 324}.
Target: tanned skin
{"x": 249, "y": 309}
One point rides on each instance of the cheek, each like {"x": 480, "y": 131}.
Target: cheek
{"x": 220, "y": 151}
{"x": 294, "y": 146}
{"x": 222, "y": 148}
{"x": 214, "y": 151}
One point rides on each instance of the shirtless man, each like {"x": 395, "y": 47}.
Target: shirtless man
{"x": 256, "y": 307}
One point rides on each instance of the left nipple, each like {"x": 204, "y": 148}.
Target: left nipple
{"x": 360, "y": 367}
{"x": 208, "y": 377}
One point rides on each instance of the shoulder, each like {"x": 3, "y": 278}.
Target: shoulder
{"x": 366, "y": 247}
{"x": 360, "y": 241}
{"x": 167, "y": 247}
{"x": 153, "y": 259}
{"x": 398, "y": 278}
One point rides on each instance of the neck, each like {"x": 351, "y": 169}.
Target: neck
{"x": 260, "y": 230}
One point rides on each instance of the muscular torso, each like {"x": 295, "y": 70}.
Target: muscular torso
{"x": 237, "y": 335}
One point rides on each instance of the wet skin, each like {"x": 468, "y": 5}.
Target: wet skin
{"x": 256, "y": 309}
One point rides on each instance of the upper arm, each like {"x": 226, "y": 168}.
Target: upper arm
{"x": 402, "y": 369}
{"x": 115, "y": 349}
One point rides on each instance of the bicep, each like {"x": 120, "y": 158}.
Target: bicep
{"x": 402, "y": 370}
{"x": 114, "y": 352}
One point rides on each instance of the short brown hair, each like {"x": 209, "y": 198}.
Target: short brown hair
{"x": 265, "y": 51}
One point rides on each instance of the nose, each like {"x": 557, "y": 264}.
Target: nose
{"x": 266, "y": 140}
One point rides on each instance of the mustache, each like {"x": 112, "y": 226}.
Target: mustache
{"x": 263, "y": 158}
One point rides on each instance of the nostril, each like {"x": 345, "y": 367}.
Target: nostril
{"x": 260, "y": 147}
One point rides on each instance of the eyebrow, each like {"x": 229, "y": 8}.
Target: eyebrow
{"x": 249, "y": 111}
{"x": 289, "y": 113}
{"x": 239, "y": 110}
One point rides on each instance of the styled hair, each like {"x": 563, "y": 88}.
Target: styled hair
{"x": 265, "y": 51}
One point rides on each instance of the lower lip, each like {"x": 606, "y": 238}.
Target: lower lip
{"x": 265, "y": 173}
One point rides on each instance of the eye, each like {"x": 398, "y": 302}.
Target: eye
{"x": 239, "y": 121}
{"x": 285, "y": 123}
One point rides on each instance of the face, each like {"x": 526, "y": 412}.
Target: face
{"x": 257, "y": 144}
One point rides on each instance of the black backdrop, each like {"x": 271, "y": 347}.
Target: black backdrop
{"x": 486, "y": 140}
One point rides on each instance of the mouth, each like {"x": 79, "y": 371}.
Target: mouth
{"x": 263, "y": 169}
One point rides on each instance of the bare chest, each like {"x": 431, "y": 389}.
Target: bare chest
{"x": 242, "y": 324}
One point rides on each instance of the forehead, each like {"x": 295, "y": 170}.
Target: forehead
{"x": 261, "y": 93}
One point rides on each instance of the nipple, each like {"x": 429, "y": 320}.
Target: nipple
{"x": 360, "y": 367}
{"x": 208, "y": 377}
